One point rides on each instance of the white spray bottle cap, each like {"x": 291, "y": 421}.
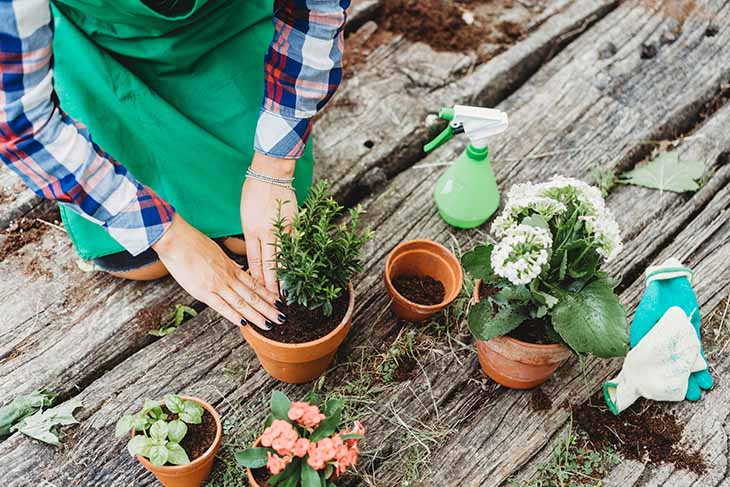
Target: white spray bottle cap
{"x": 478, "y": 123}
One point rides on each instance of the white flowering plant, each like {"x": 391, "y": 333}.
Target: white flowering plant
{"x": 544, "y": 263}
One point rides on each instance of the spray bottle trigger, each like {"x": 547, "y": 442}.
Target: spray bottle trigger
{"x": 444, "y": 136}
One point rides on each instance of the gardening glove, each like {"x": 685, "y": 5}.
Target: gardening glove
{"x": 660, "y": 365}
{"x": 667, "y": 285}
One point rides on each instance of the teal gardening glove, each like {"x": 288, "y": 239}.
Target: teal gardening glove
{"x": 669, "y": 285}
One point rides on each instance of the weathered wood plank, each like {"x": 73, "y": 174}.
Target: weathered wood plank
{"x": 396, "y": 219}
{"x": 380, "y": 123}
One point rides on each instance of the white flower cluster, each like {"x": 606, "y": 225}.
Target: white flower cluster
{"x": 549, "y": 199}
{"x": 522, "y": 253}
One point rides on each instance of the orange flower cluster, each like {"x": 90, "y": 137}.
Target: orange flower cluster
{"x": 283, "y": 438}
{"x": 305, "y": 414}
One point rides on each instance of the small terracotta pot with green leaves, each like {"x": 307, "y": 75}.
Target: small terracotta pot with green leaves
{"x": 158, "y": 433}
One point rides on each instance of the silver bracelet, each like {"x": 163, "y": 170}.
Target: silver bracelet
{"x": 281, "y": 182}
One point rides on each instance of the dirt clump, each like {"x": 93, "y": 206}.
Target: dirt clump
{"x": 532, "y": 330}
{"x": 423, "y": 290}
{"x": 646, "y": 430}
{"x": 406, "y": 370}
{"x": 36, "y": 269}
{"x": 19, "y": 234}
{"x": 539, "y": 401}
{"x": 199, "y": 436}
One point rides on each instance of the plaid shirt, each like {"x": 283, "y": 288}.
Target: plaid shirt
{"x": 56, "y": 158}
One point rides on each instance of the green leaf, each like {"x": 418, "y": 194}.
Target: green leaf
{"x": 43, "y": 424}
{"x": 328, "y": 471}
{"x": 124, "y": 426}
{"x": 289, "y": 477}
{"x": 666, "y": 172}
{"x": 23, "y": 406}
{"x": 149, "y": 406}
{"x": 310, "y": 477}
{"x": 158, "y": 431}
{"x": 192, "y": 412}
{"x": 280, "y": 405}
{"x": 158, "y": 455}
{"x": 176, "y": 430}
{"x": 484, "y": 324}
{"x": 326, "y": 427}
{"x": 536, "y": 221}
{"x": 252, "y": 457}
{"x": 478, "y": 262}
{"x": 174, "y": 320}
{"x": 334, "y": 406}
{"x": 139, "y": 445}
{"x": 593, "y": 321}
{"x": 352, "y": 436}
{"x": 174, "y": 403}
{"x": 140, "y": 422}
{"x": 176, "y": 454}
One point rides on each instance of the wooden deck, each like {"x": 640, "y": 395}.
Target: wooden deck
{"x": 581, "y": 98}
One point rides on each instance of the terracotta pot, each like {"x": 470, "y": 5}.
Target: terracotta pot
{"x": 297, "y": 363}
{"x": 249, "y": 472}
{"x": 422, "y": 258}
{"x": 517, "y": 364}
{"x": 196, "y": 472}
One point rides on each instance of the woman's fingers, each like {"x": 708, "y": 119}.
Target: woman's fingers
{"x": 253, "y": 255}
{"x": 248, "y": 312}
{"x": 226, "y": 310}
{"x": 268, "y": 253}
{"x": 257, "y": 302}
{"x": 257, "y": 287}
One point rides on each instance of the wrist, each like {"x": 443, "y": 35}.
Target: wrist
{"x": 273, "y": 166}
{"x": 167, "y": 238}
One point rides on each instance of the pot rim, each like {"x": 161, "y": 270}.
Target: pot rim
{"x": 328, "y": 336}
{"x": 400, "y": 249}
{"x": 533, "y": 346}
{"x": 200, "y": 460}
{"x": 249, "y": 471}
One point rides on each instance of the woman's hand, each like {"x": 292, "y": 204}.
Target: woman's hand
{"x": 259, "y": 207}
{"x": 206, "y": 272}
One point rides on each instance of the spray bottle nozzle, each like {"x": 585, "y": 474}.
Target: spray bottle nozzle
{"x": 478, "y": 123}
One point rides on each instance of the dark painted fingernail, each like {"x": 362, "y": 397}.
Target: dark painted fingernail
{"x": 244, "y": 322}
{"x": 282, "y": 317}
{"x": 271, "y": 324}
{"x": 284, "y": 292}
{"x": 279, "y": 305}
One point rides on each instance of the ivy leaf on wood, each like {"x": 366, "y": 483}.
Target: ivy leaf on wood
{"x": 43, "y": 425}
{"x": 23, "y": 406}
{"x": 666, "y": 172}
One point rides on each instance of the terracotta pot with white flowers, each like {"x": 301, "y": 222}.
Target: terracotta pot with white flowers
{"x": 540, "y": 292}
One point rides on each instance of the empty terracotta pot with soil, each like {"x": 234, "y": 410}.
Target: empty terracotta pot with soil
{"x": 297, "y": 363}
{"x": 518, "y": 364}
{"x": 198, "y": 470}
{"x": 422, "y": 278}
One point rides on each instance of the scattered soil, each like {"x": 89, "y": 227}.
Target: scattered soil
{"x": 151, "y": 317}
{"x": 406, "y": 370}
{"x": 304, "y": 325}
{"x": 487, "y": 291}
{"x": 19, "y": 234}
{"x": 420, "y": 289}
{"x": 199, "y": 437}
{"x": 445, "y": 25}
{"x": 532, "y": 331}
{"x": 36, "y": 269}
{"x": 540, "y": 401}
{"x": 645, "y": 430}
{"x": 262, "y": 476}
{"x": 648, "y": 51}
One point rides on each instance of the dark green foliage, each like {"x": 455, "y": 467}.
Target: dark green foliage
{"x": 318, "y": 257}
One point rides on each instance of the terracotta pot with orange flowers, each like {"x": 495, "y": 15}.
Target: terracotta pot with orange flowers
{"x": 302, "y": 445}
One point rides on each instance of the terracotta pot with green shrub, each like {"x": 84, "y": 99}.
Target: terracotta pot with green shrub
{"x": 316, "y": 260}
{"x": 541, "y": 292}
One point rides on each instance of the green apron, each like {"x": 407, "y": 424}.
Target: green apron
{"x": 173, "y": 95}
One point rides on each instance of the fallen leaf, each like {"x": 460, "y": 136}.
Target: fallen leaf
{"x": 666, "y": 172}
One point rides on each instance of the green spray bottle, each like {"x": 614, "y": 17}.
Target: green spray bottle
{"x": 466, "y": 194}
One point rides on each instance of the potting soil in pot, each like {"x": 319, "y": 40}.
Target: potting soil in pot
{"x": 262, "y": 476}
{"x": 305, "y": 325}
{"x": 420, "y": 289}
{"x": 199, "y": 436}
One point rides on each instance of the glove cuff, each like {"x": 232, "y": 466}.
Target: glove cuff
{"x": 669, "y": 269}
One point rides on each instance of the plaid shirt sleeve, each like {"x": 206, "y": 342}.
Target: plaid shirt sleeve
{"x": 53, "y": 154}
{"x": 303, "y": 68}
